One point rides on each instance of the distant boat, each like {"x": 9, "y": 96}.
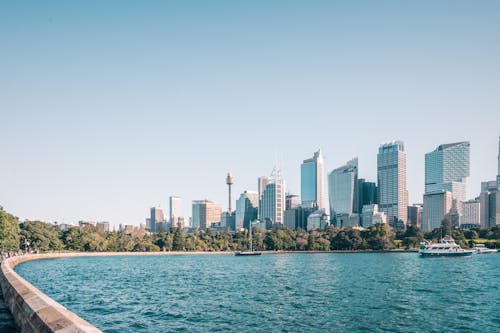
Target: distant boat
{"x": 445, "y": 248}
{"x": 250, "y": 251}
{"x": 482, "y": 249}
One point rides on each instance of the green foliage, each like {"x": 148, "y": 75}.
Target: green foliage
{"x": 9, "y": 232}
{"x": 41, "y": 236}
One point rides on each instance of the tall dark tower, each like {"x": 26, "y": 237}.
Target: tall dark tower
{"x": 229, "y": 182}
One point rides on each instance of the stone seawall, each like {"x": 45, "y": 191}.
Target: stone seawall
{"x": 33, "y": 311}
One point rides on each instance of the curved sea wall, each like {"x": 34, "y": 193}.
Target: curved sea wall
{"x": 33, "y": 311}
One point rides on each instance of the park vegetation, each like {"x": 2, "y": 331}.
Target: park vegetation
{"x": 43, "y": 237}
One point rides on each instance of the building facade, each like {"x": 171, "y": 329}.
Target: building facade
{"x": 205, "y": 212}
{"x": 370, "y": 215}
{"x": 247, "y": 207}
{"x": 342, "y": 190}
{"x": 311, "y": 181}
{"x": 415, "y": 214}
{"x": 175, "y": 213}
{"x": 391, "y": 178}
{"x": 437, "y": 206}
{"x": 156, "y": 217}
{"x": 447, "y": 169}
{"x": 471, "y": 213}
{"x": 367, "y": 194}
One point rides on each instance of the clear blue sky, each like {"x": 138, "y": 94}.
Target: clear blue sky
{"x": 109, "y": 107}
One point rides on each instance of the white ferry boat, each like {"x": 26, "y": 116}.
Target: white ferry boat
{"x": 482, "y": 249}
{"x": 445, "y": 248}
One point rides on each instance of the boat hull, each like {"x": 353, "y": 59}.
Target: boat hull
{"x": 247, "y": 253}
{"x": 446, "y": 254}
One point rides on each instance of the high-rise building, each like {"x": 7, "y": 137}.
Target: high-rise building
{"x": 391, "y": 177}
{"x": 175, "y": 215}
{"x": 156, "y": 217}
{"x": 342, "y": 189}
{"x": 102, "y": 226}
{"x": 447, "y": 169}
{"x": 437, "y": 206}
{"x": 311, "y": 181}
{"x": 272, "y": 202}
{"x": 367, "y": 194}
{"x": 471, "y": 213}
{"x": 489, "y": 204}
{"x": 296, "y": 217}
{"x": 415, "y": 214}
{"x": 205, "y": 213}
{"x": 262, "y": 183}
{"x": 246, "y": 209}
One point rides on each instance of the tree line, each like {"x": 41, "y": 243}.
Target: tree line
{"x": 44, "y": 237}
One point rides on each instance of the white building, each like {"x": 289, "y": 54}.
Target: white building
{"x": 436, "y": 206}
{"x": 175, "y": 213}
{"x": 471, "y": 213}
{"x": 391, "y": 176}
{"x": 371, "y": 215}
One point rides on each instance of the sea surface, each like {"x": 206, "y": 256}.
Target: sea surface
{"x": 334, "y": 292}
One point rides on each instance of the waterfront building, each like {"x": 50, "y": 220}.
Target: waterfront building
{"x": 291, "y": 201}
{"x": 371, "y": 215}
{"x": 391, "y": 178}
{"x": 342, "y": 189}
{"x": 489, "y": 204}
{"x": 175, "y": 214}
{"x": 247, "y": 207}
{"x": 311, "y": 181}
{"x": 227, "y": 222}
{"x": 367, "y": 194}
{"x": 156, "y": 217}
{"x": 261, "y": 186}
{"x": 317, "y": 220}
{"x": 447, "y": 169}
{"x": 272, "y": 202}
{"x": 415, "y": 214}
{"x": 205, "y": 212}
{"x": 344, "y": 220}
{"x": 437, "y": 206}
{"x": 296, "y": 217}
{"x": 471, "y": 213}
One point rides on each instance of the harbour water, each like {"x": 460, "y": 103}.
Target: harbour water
{"x": 351, "y": 292}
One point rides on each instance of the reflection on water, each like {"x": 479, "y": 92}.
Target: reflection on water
{"x": 355, "y": 292}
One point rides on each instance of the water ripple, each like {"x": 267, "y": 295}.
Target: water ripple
{"x": 365, "y": 292}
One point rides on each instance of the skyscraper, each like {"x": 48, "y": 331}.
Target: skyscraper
{"x": 246, "y": 209}
{"x": 391, "y": 176}
{"x": 205, "y": 213}
{"x": 175, "y": 215}
{"x": 262, "y": 182}
{"x": 342, "y": 189}
{"x": 156, "y": 217}
{"x": 447, "y": 168}
{"x": 272, "y": 203}
{"x": 311, "y": 181}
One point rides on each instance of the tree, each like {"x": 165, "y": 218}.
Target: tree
{"x": 178, "y": 242}
{"x": 41, "y": 236}
{"x": 9, "y": 232}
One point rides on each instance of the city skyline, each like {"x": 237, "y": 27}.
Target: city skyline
{"x": 107, "y": 109}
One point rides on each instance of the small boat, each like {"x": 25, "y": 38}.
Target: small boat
{"x": 482, "y": 249}
{"x": 250, "y": 251}
{"x": 445, "y": 248}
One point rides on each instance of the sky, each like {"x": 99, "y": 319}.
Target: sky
{"x": 109, "y": 107}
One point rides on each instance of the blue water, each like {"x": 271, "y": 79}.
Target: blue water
{"x": 358, "y": 292}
